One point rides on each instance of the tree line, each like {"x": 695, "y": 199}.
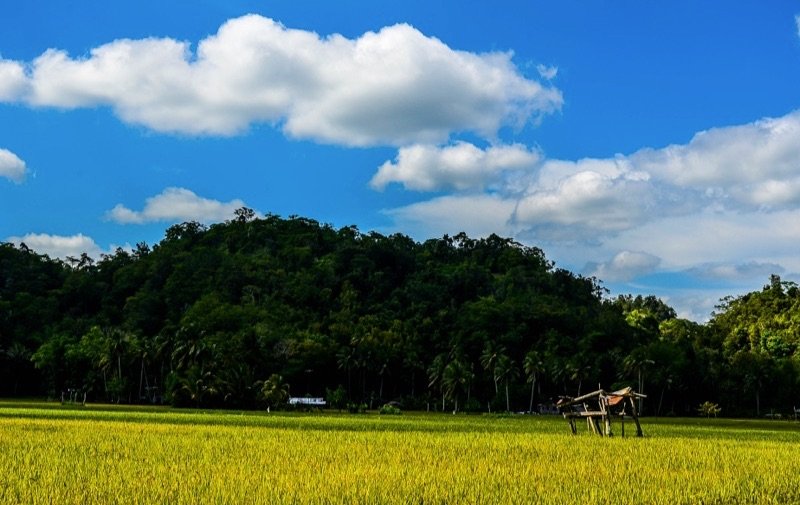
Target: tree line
{"x": 241, "y": 313}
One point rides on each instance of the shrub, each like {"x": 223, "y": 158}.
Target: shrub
{"x": 337, "y": 398}
{"x": 709, "y": 409}
{"x": 357, "y": 408}
{"x": 390, "y": 410}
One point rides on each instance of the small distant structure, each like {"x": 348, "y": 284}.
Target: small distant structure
{"x": 307, "y": 401}
{"x": 598, "y": 407}
{"x": 547, "y": 409}
{"x": 71, "y": 396}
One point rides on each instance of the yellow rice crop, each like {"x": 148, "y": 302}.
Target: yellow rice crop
{"x": 91, "y": 456}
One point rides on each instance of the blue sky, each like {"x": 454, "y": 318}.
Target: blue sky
{"x": 655, "y": 145}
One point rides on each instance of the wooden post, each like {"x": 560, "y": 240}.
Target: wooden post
{"x": 596, "y": 425}
{"x": 635, "y": 416}
{"x": 605, "y": 409}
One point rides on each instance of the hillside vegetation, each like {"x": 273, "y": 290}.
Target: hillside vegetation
{"x": 241, "y": 314}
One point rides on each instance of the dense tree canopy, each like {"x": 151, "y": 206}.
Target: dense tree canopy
{"x": 243, "y": 313}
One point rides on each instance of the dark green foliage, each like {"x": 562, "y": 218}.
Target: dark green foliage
{"x": 390, "y": 410}
{"x": 357, "y": 408}
{"x": 336, "y": 398}
{"x": 230, "y": 315}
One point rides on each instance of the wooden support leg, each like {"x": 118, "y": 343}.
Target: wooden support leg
{"x": 594, "y": 424}
{"x": 607, "y": 421}
{"x": 635, "y": 416}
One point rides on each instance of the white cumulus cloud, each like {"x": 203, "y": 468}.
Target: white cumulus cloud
{"x": 11, "y": 166}
{"x": 59, "y": 246}
{"x": 12, "y": 80}
{"x": 729, "y": 198}
{"x": 748, "y": 163}
{"x": 624, "y": 266}
{"x": 584, "y": 198}
{"x": 458, "y": 166}
{"x": 176, "y": 204}
{"x": 395, "y": 86}
{"x": 741, "y": 170}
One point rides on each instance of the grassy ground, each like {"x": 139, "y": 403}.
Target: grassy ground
{"x": 108, "y": 454}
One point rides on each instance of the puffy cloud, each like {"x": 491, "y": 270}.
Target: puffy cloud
{"x": 748, "y": 170}
{"x": 625, "y": 266}
{"x": 720, "y": 212}
{"x": 797, "y": 22}
{"x": 176, "y": 204}
{"x": 572, "y": 200}
{"x": 395, "y": 86}
{"x": 458, "y": 166}
{"x": 59, "y": 246}
{"x": 11, "y": 166}
{"x": 12, "y": 80}
{"x": 750, "y": 164}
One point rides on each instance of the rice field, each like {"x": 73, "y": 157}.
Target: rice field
{"x": 53, "y": 454}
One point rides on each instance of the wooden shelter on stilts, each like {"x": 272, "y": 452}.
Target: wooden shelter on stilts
{"x": 598, "y": 407}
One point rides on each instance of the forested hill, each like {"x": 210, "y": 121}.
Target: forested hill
{"x": 234, "y": 314}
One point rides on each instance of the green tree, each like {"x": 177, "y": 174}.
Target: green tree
{"x": 336, "y": 398}
{"x": 456, "y": 377}
{"x": 506, "y": 370}
{"x": 274, "y": 391}
{"x": 436, "y": 375}
{"x": 636, "y": 363}
{"x": 489, "y": 358}
{"x": 533, "y": 365}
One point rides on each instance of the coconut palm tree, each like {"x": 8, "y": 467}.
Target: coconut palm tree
{"x": 455, "y": 378}
{"x": 18, "y": 355}
{"x": 274, "y": 391}
{"x": 489, "y": 358}
{"x": 636, "y": 362}
{"x": 533, "y": 365}
{"x": 436, "y": 375}
{"x": 506, "y": 370}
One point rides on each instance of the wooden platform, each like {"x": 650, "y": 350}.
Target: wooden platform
{"x": 599, "y": 408}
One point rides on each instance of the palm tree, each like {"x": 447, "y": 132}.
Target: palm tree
{"x": 489, "y": 358}
{"x": 345, "y": 359}
{"x": 197, "y": 384}
{"x": 119, "y": 343}
{"x": 636, "y": 362}
{"x": 274, "y": 391}
{"x": 436, "y": 374}
{"x": 17, "y": 354}
{"x": 579, "y": 372}
{"x": 506, "y": 370}
{"x": 455, "y": 377}
{"x": 533, "y": 366}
